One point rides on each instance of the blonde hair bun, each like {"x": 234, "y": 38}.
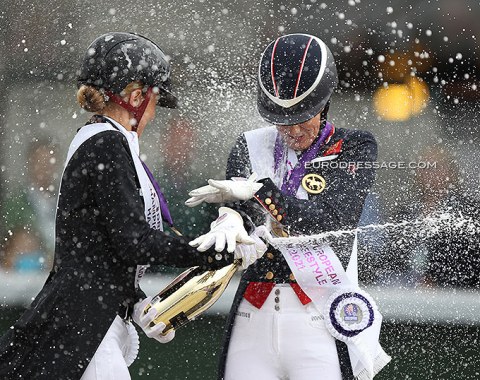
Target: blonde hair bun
{"x": 90, "y": 99}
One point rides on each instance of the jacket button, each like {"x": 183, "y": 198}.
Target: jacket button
{"x": 279, "y": 217}
{"x": 271, "y": 207}
{"x": 269, "y": 275}
{"x": 270, "y": 255}
{"x": 274, "y": 212}
{"x": 292, "y": 277}
{"x": 268, "y": 201}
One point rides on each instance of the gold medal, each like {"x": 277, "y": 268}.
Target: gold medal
{"x": 313, "y": 183}
{"x": 277, "y": 230}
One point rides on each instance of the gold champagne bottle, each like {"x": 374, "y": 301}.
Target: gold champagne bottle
{"x": 189, "y": 295}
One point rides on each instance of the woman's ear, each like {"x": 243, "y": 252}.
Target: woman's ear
{"x": 136, "y": 97}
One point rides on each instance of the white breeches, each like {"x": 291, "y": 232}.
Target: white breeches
{"x": 119, "y": 346}
{"x": 282, "y": 340}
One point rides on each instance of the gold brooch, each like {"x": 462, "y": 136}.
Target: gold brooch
{"x": 313, "y": 183}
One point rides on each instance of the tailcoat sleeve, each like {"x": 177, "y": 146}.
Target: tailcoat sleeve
{"x": 118, "y": 198}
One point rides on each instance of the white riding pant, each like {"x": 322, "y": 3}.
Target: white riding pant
{"x": 119, "y": 346}
{"x": 282, "y": 340}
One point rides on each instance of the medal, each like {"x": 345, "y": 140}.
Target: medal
{"x": 313, "y": 183}
{"x": 348, "y": 313}
{"x": 278, "y": 231}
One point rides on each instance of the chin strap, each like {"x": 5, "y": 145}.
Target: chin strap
{"x": 323, "y": 115}
{"x": 323, "y": 119}
{"x": 137, "y": 112}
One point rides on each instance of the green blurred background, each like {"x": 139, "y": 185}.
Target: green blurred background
{"x": 419, "y": 351}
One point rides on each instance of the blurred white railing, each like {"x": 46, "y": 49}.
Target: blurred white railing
{"x": 415, "y": 305}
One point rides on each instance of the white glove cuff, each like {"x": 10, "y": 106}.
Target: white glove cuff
{"x": 230, "y": 211}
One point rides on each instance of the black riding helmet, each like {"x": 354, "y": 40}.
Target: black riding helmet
{"x": 296, "y": 77}
{"x": 114, "y": 60}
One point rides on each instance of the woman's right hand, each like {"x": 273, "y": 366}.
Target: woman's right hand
{"x": 252, "y": 252}
{"x": 218, "y": 191}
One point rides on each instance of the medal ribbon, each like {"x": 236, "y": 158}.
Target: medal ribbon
{"x": 163, "y": 202}
{"x": 293, "y": 177}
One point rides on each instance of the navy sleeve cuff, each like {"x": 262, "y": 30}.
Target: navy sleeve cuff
{"x": 271, "y": 199}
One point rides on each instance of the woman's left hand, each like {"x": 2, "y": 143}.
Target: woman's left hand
{"x": 145, "y": 320}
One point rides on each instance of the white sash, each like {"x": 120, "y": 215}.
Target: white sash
{"x": 261, "y": 147}
{"x": 350, "y": 314}
{"x": 321, "y": 275}
{"x": 150, "y": 197}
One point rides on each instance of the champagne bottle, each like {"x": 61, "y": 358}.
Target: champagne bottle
{"x": 189, "y": 295}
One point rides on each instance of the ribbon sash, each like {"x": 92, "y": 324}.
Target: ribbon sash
{"x": 316, "y": 268}
{"x": 320, "y": 274}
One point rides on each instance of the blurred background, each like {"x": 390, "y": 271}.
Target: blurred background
{"x": 408, "y": 73}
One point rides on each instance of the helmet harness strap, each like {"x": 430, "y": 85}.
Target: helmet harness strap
{"x": 323, "y": 115}
{"x": 136, "y": 111}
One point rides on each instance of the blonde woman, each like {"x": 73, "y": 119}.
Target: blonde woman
{"x": 109, "y": 228}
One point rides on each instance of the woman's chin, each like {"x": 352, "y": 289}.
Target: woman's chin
{"x": 297, "y": 145}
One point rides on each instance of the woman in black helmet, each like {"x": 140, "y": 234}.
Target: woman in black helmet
{"x": 109, "y": 228}
{"x": 310, "y": 183}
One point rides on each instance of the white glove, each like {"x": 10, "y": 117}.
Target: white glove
{"x": 236, "y": 189}
{"x": 228, "y": 228}
{"x": 262, "y": 232}
{"x": 144, "y": 321}
{"x": 250, "y": 253}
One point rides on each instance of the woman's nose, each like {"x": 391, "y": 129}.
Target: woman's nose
{"x": 295, "y": 129}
